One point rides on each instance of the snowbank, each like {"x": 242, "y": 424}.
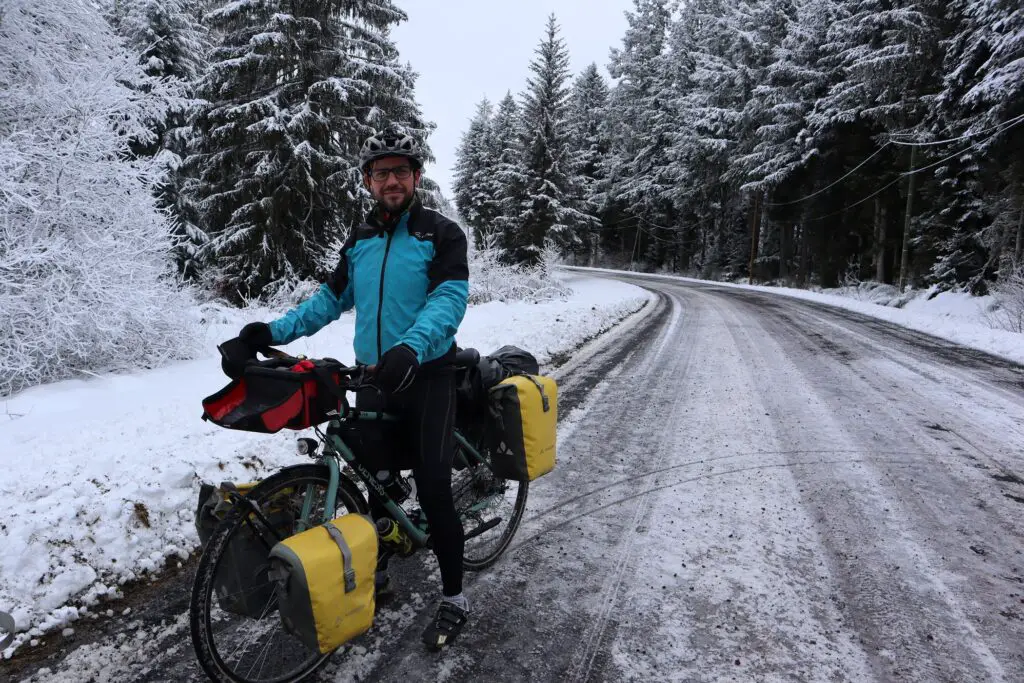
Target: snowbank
{"x": 956, "y": 317}
{"x": 100, "y": 476}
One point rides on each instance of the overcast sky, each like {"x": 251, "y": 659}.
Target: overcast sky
{"x": 467, "y": 49}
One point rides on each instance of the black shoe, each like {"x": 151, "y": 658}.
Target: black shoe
{"x": 445, "y": 627}
{"x": 383, "y": 587}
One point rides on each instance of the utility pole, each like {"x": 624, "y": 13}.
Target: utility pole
{"x": 755, "y": 232}
{"x": 911, "y": 183}
{"x": 1018, "y": 251}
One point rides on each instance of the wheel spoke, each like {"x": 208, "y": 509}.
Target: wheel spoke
{"x": 491, "y": 510}
{"x": 232, "y": 646}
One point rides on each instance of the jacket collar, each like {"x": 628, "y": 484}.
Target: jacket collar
{"x": 380, "y": 221}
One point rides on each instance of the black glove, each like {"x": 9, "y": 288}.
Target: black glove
{"x": 396, "y": 369}
{"x": 256, "y": 335}
{"x": 235, "y": 353}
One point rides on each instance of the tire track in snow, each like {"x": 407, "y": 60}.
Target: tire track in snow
{"x": 912, "y": 620}
{"x": 509, "y": 604}
{"x": 583, "y": 660}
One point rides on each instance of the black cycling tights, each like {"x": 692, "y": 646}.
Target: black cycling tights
{"x": 427, "y": 409}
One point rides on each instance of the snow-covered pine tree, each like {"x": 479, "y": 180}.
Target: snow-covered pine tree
{"x": 293, "y": 89}
{"x": 547, "y": 212}
{"x": 642, "y": 176}
{"x": 432, "y": 197}
{"x": 957, "y": 212}
{"x": 734, "y": 55}
{"x": 167, "y": 36}
{"x": 170, "y": 43}
{"x": 504, "y": 180}
{"x": 84, "y": 271}
{"x": 792, "y": 83}
{"x": 729, "y": 101}
{"x": 983, "y": 98}
{"x": 885, "y": 54}
{"x": 787, "y": 152}
{"x": 471, "y": 199}
{"x": 711, "y": 38}
{"x": 588, "y": 147}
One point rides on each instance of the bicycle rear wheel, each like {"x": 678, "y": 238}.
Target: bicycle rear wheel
{"x": 237, "y": 634}
{"x": 491, "y": 510}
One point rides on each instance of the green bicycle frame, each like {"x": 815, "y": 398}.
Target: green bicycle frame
{"x": 336, "y": 448}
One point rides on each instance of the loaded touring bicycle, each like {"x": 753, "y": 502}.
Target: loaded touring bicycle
{"x": 287, "y": 570}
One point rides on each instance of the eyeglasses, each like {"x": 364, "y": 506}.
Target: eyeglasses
{"x": 400, "y": 173}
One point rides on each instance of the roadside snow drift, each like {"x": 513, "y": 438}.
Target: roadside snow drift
{"x": 100, "y": 476}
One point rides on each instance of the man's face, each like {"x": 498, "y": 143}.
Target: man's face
{"x": 392, "y": 182}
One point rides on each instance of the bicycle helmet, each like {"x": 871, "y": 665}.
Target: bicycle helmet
{"x": 390, "y": 144}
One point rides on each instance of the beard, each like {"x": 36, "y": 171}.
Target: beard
{"x": 396, "y": 203}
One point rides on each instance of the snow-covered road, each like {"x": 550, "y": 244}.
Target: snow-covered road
{"x": 767, "y": 489}
{"x": 749, "y": 488}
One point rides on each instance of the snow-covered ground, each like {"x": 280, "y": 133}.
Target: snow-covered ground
{"x": 100, "y": 476}
{"x": 954, "y": 316}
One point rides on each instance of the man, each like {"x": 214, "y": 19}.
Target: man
{"x": 405, "y": 273}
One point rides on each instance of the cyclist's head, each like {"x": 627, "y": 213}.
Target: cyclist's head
{"x": 392, "y": 163}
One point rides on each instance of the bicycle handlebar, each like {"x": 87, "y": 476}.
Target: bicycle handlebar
{"x": 358, "y": 373}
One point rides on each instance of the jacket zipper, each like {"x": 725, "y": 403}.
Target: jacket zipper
{"x": 380, "y": 304}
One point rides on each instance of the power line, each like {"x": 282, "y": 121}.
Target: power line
{"x": 1004, "y": 125}
{"x": 829, "y": 187}
{"x": 641, "y": 228}
{"x": 914, "y": 172}
{"x": 856, "y": 203}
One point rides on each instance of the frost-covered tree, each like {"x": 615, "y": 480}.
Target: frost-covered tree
{"x": 166, "y": 34}
{"x": 293, "y": 89}
{"x": 713, "y": 37}
{"x": 887, "y": 51}
{"x": 793, "y": 81}
{"x": 471, "y": 165}
{"x": 505, "y": 179}
{"x": 171, "y": 43}
{"x": 588, "y": 148}
{"x": 977, "y": 212}
{"x": 547, "y": 211}
{"x": 85, "y": 280}
{"x": 808, "y": 137}
{"x": 641, "y": 178}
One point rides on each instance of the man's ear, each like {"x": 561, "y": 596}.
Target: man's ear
{"x": 366, "y": 180}
{"x": 416, "y": 176}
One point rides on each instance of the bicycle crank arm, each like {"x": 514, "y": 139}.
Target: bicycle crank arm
{"x": 486, "y": 526}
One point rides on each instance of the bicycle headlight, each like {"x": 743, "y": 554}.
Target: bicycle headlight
{"x": 306, "y": 446}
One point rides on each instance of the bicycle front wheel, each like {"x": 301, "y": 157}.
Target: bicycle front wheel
{"x": 237, "y": 634}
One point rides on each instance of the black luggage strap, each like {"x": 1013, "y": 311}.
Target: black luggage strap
{"x": 346, "y": 556}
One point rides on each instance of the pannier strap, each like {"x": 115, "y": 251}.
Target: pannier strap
{"x": 543, "y": 396}
{"x": 346, "y": 556}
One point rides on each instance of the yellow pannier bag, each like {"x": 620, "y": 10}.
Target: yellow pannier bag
{"x": 524, "y": 420}
{"x": 324, "y": 581}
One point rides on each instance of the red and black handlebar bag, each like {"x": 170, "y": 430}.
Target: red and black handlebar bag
{"x": 272, "y": 396}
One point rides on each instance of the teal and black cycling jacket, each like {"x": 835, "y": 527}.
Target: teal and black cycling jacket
{"x": 408, "y": 281}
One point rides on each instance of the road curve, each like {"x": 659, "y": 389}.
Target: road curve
{"x": 749, "y": 488}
